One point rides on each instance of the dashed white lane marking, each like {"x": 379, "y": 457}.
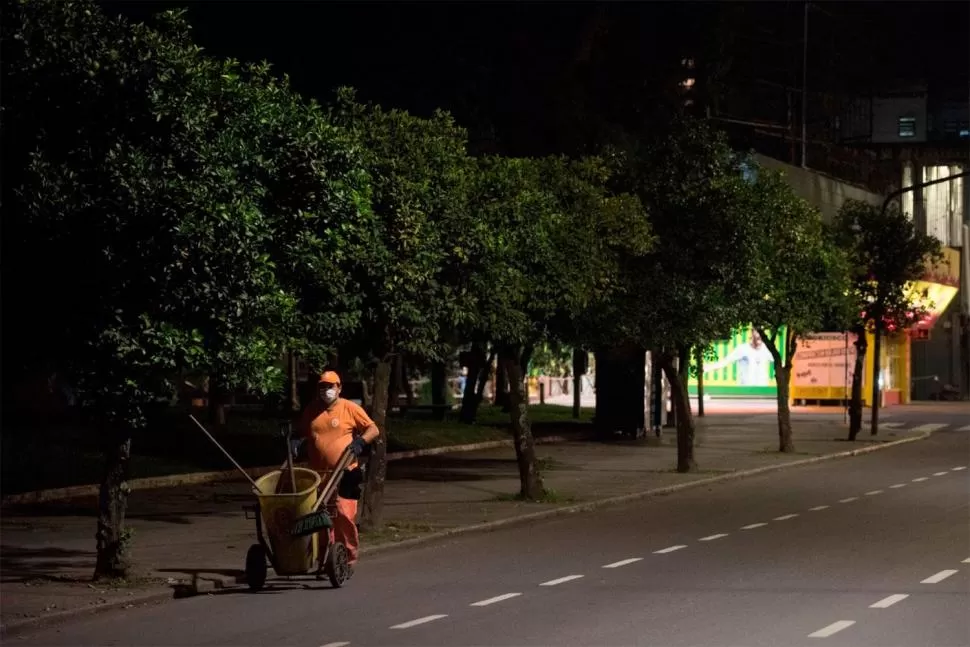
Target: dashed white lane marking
{"x": 819, "y": 507}
{"x": 940, "y": 473}
{"x": 929, "y": 427}
{"x": 957, "y": 469}
{"x": 420, "y": 621}
{"x": 939, "y": 577}
{"x": 623, "y": 562}
{"x": 497, "y": 598}
{"x": 887, "y": 602}
{"x": 713, "y": 537}
{"x": 897, "y": 486}
{"x": 752, "y": 526}
{"x": 561, "y": 580}
{"x": 848, "y": 500}
{"x": 921, "y": 479}
{"x": 786, "y": 517}
{"x": 966, "y": 428}
{"x": 343, "y": 644}
{"x": 967, "y": 560}
{"x": 873, "y": 492}
{"x": 669, "y": 549}
{"x": 833, "y": 628}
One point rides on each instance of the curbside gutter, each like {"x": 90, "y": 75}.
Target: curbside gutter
{"x": 203, "y": 584}
{"x": 199, "y": 478}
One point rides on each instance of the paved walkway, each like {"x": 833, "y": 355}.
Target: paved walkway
{"x": 47, "y": 550}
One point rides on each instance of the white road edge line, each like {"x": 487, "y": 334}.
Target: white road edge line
{"x": 568, "y": 578}
{"x": 623, "y": 562}
{"x": 887, "y": 602}
{"x": 497, "y": 598}
{"x": 957, "y": 469}
{"x": 669, "y": 549}
{"x": 873, "y": 492}
{"x": 897, "y": 486}
{"x": 819, "y": 507}
{"x": 939, "y": 577}
{"x": 940, "y": 473}
{"x": 921, "y": 479}
{"x": 786, "y": 517}
{"x": 713, "y": 537}
{"x": 752, "y": 526}
{"x": 833, "y": 628}
{"x": 420, "y": 621}
{"x": 849, "y": 500}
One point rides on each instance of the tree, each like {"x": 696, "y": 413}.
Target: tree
{"x": 550, "y": 259}
{"x": 413, "y": 279}
{"x": 133, "y": 180}
{"x": 801, "y": 285}
{"x": 886, "y": 254}
{"x": 691, "y": 289}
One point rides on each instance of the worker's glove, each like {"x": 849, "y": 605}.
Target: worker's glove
{"x": 358, "y": 446}
{"x": 296, "y": 446}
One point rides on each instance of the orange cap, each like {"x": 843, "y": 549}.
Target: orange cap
{"x": 330, "y": 377}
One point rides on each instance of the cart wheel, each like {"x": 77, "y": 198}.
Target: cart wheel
{"x": 256, "y": 567}
{"x": 337, "y": 570}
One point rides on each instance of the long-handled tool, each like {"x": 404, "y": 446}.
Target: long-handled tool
{"x": 318, "y": 519}
{"x": 286, "y": 430}
{"x": 223, "y": 450}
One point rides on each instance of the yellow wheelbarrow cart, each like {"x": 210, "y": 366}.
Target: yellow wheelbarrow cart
{"x": 294, "y": 530}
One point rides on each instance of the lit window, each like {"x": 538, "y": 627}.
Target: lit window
{"x": 907, "y": 127}
{"x": 688, "y": 63}
{"x": 687, "y": 84}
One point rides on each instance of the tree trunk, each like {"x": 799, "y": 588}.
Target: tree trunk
{"x": 218, "y": 395}
{"x": 438, "y": 383}
{"x": 406, "y": 384}
{"x": 685, "y": 421}
{"x": 876, "y": 369}
{"x": 855, "y": 403}
{"x": 578, "y": 372}
{"x": 293, "y": 383}
{"x": 372, "y": 515}
{"x": 530, "y": 481}
{"x": 112, "y": 538}
{"x": 783, "y": 380}
{"x": 502, "y": 388}
{"x": 700, "y": 382}
{"x": 478, "y": 370}
{"x": 783, "y": 386}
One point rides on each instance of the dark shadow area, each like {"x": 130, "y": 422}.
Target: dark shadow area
{"x": 23, "y": 564}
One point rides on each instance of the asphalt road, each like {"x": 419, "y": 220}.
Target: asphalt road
{"x": 867, "y": 551}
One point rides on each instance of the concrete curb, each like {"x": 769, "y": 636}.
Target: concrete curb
{"x": 16, "y": 627}
{"x": 199, "y": 478}
{"x": 217, "y": 582}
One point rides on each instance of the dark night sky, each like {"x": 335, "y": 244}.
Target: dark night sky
{"x": 488, "y": 56}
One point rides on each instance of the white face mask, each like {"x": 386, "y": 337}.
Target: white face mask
{"x": 330, "y": 395}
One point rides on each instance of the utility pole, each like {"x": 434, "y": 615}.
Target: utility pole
{"x": 804, "y": 82}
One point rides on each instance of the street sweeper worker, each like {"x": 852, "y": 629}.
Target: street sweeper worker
{"x": 329, "y": 425}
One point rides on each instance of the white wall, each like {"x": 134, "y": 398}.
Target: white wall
{"x": 825, "y": 193}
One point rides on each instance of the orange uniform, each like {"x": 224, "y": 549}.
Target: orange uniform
{"x": 329, "y": 431}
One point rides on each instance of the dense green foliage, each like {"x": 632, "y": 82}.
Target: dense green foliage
{"x": 196, "y": 215}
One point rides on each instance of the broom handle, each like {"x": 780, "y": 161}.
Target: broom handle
{"x": 223, "y": 450}
{"x": 345, "y": 459}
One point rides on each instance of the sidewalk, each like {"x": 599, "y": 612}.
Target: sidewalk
{"x": 47, "y": 551}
